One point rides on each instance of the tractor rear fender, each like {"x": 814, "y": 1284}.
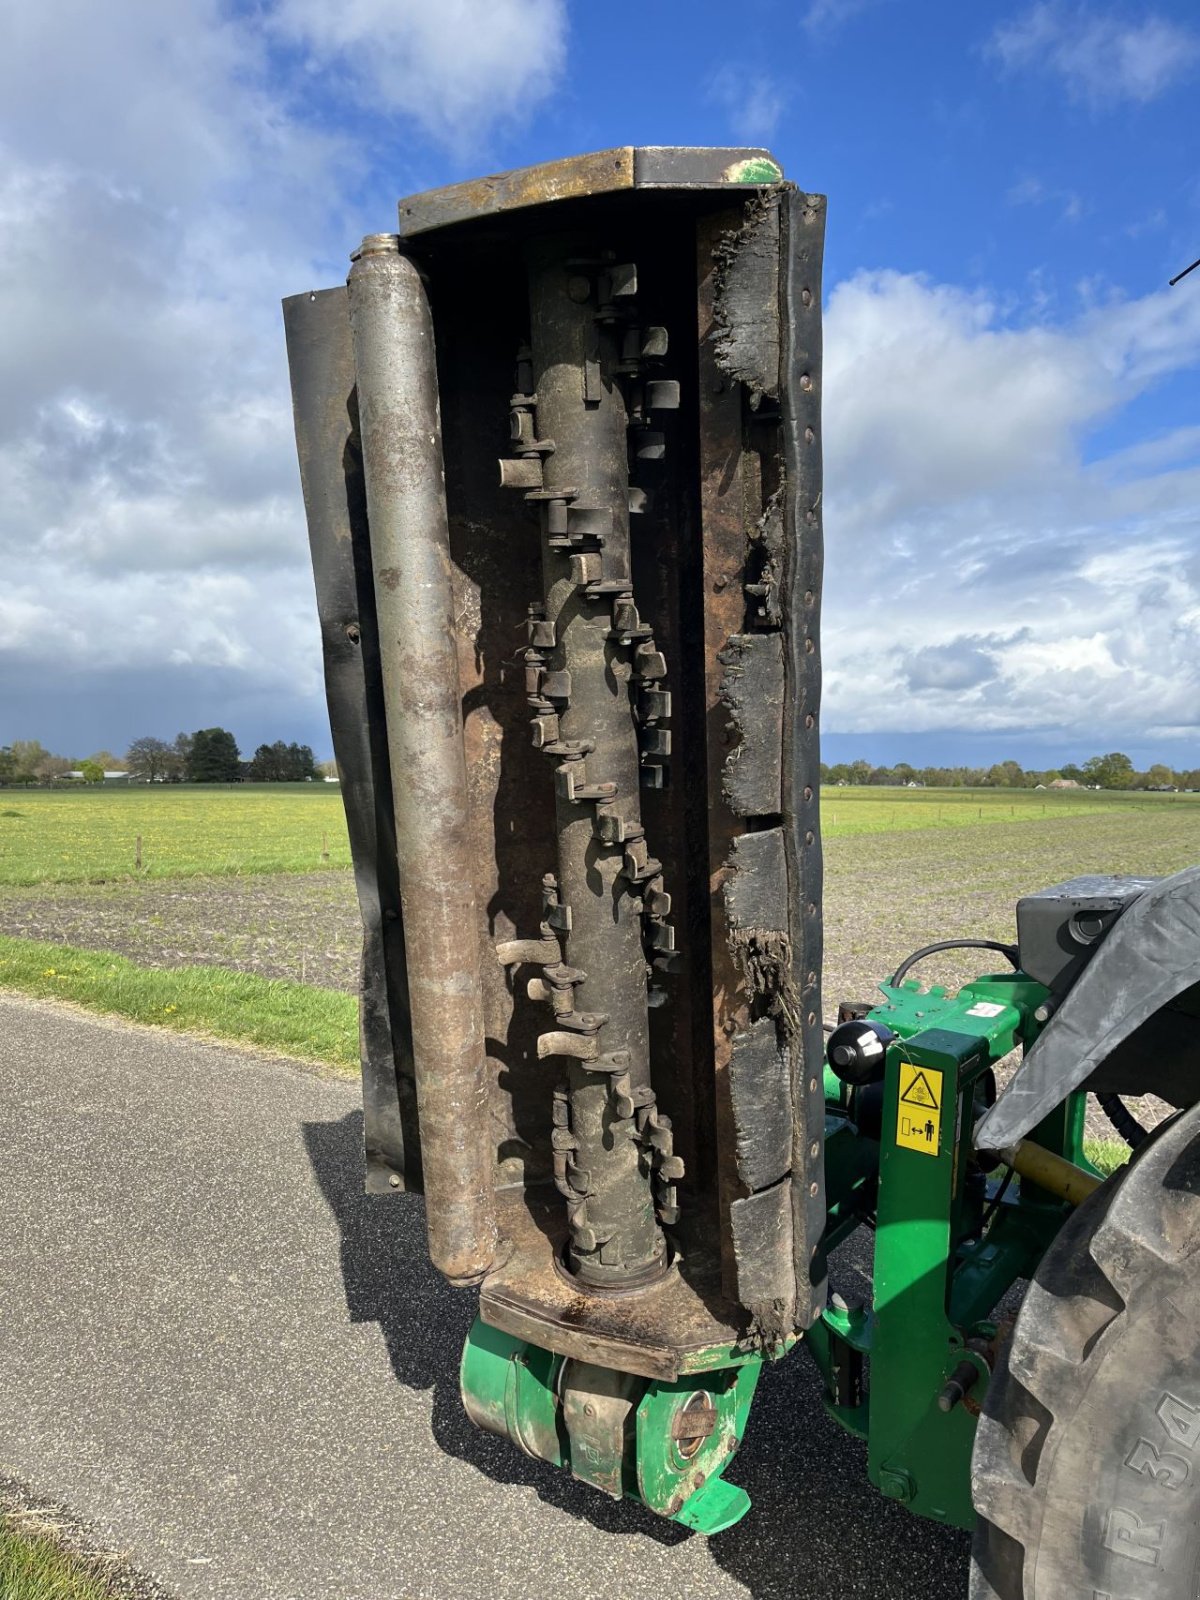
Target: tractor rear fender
{"x": 1130, "y": 1024}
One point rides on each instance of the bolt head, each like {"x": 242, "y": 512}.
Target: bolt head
{"x": 897, "y": 1486}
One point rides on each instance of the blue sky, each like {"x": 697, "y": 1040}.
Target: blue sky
{"x": 1012, "y": 426}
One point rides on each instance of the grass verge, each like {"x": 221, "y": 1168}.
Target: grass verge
{"x": 1106, "y": 1155}
{"x": 295, "y": 1019}
{"x": 32, "y": 1567}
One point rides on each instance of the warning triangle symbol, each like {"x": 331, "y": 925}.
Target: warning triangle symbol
{"x": 918, "y": 1093}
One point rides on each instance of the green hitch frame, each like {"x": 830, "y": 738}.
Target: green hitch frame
{"x": 945, "y": 1253}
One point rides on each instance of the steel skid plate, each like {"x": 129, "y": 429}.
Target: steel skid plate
{"x": 628, "y": 367}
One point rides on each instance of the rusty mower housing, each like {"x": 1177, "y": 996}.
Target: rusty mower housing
{"x": 560, "y": 449}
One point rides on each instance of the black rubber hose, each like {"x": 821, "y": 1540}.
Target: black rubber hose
{"x": 1123, "y": 1120}
{"x": 1009, "y": 951}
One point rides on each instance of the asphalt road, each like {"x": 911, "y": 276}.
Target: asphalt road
{"x": 214, "y": 1348}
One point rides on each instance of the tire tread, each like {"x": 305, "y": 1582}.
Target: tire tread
{"x": 1144, "y": 1217}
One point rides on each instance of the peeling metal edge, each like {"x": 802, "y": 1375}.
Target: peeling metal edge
{"x": 802, "y": 242}
{"x": 621, "y": 168}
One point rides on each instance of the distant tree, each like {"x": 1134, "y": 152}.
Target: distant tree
{"x": 177, "y": 761}
{"x": 1113, "y": 771}
{"x": 281, "y": 763}
{"x": 213, "y": 757}
{"x": 148, "y": 758}
{"x": 108, "y": 762}
{"x": 51, "y": 768}
{"x": 91, "y": 771}
{"x": 1072, "y": 772}
{"x": 14, "y": 768}
{"x": 29, "y": 755}
{"x": 1006, "y": 775}
{"x": 1190, "y": 780}
{"x": 1160, "y": 777}
{"x": 329, "y": 769}
{"x": 302, "y": 762}
{"x": 267, "y": 762}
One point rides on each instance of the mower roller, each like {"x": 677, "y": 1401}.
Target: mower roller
{"x": 560, "y": 447}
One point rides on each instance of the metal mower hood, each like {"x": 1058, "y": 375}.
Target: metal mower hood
{"x": 1150, "y": 958}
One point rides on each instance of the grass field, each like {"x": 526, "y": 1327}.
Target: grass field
{"x": 90, "y": 835}
{"x": 852, "y": 811}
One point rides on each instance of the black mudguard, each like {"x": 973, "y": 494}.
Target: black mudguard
{"x": 1130, "y": 1023}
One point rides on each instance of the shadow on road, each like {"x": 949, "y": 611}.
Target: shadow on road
{"x": 389, "y": 1280}
{"x": 816, "y": 1521}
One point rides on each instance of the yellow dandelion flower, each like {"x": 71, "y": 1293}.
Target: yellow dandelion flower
{"x": 49, "y": 972}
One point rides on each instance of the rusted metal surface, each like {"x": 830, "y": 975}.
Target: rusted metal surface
{"x": 496, "y": 569}
{"x": 325, "y": 403}
{"x": 603, "y": 172}
{"x": 803, "y": 561}
{"x": 657, "y": 1332}
{"x": 597, "y": 1411}
{"x": 753, "y": 692}
{"x": 584, "y": 678}
{"x": 724, "y": 516}
{"x": 661, "y": 279}
{"x": 401, "y": 441}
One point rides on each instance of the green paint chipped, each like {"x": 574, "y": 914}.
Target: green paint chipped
{"x": 757, "y": 169}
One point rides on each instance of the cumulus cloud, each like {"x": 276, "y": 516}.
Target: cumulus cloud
{"x": 752, "y": 100}
{"x": 984, "y": 575}
{"x": 455, "y": 69}
{"x": 185, "y": 180}
{"x": 1102, "y": 57}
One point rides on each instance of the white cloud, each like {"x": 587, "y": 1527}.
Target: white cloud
{"x": 167, "y": 174}
{"x": 1102, "y": 57}
{"x": 826, "y": 16}
{"x": 752, "y": 100}
{"x": 456, "y": 68}
{"x": 983, "y": 575}
{"x": 1031, "y": 191}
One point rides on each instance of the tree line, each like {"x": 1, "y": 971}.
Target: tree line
{"x": 210, "y": 755}
{"x": 1112, "y": 771}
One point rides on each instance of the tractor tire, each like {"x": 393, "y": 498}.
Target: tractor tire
{"x": 1086, "y": 1472}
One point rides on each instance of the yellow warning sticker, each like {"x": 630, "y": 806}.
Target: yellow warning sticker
{"x": 919, "y": 1112}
